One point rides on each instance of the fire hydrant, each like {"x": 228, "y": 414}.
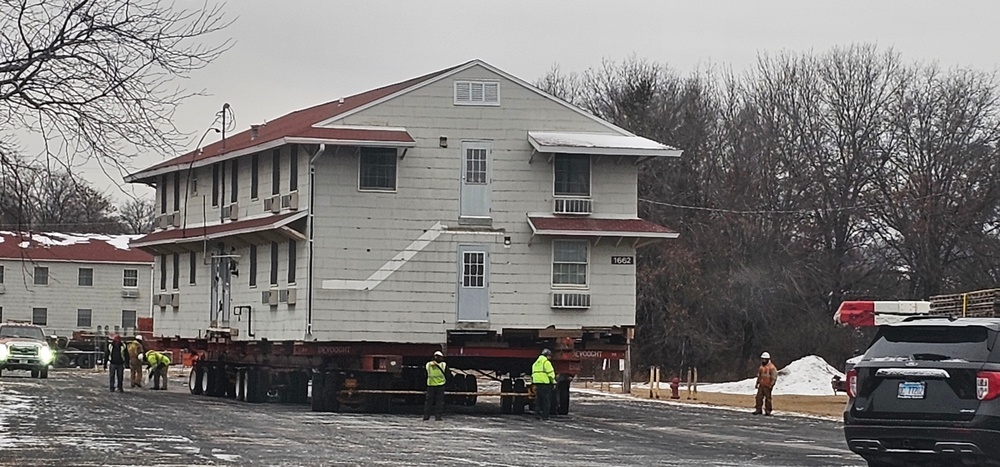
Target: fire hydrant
{"x": 675, "y": 387}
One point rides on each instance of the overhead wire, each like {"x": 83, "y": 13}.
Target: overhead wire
{"x": 776, "y": 211}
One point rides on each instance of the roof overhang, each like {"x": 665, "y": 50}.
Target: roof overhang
{"x": 599, "y": 144}
{"x": 271, "y": 226}
{"x": 639, "y": 230}
{"x": 339, "y": 136}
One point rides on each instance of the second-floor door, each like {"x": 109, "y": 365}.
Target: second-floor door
{"x": 476, "y": 192}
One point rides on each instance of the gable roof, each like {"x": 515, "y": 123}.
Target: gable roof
{"x": 314, "y": 123}
{"x": 71, "y": 247}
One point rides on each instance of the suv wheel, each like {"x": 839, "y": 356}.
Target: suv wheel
{"x": 34, "y": 373}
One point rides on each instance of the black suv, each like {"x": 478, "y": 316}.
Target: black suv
{"x": 927, "y": 392}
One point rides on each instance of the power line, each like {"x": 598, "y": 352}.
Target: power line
{"x": 776, "y": 211}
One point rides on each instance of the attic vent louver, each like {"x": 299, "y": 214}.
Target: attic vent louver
{"x": 477, "y": 93}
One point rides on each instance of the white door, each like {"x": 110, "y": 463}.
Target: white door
{"x": 221, "y": 287}
{"x": 476, "y": 171}
{"x": 473, "y": 283}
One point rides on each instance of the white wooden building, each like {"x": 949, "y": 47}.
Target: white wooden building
{"x": 74, "y": 282}
{"x": 465, "y": 201}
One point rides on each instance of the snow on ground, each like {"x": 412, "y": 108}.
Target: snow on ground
{"x": 807, "y": 376}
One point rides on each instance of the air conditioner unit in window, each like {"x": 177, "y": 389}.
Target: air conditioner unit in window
{"x": 290, "y": 201}
{"x": 268, "y": 204}
{"x": 130, "y": 293}
{"x": 276, "y": 204}
{"x": 581, "y": 206}
{"x": 162, "y": 221}
{"x": 265, "y": 297}
{"x": 571, "y": 300}
{"x": 175, "y": 219}
{"x": 291, "y": 296}
{"x": 234, "y": 211}
{"x": 283, "y": 296}
{"x": 162, "y": 299}
{"x": 175, "y": 300}
{"x": 272, "y": 298}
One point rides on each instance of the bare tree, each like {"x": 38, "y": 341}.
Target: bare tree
{"x": 97, "y": 77}
{"x": 136, "y": 216}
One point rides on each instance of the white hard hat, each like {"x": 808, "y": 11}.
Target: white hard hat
{"x": 438, "y": 354}
{"x": 765, "y": 356}
{"x": 138, "y": 338}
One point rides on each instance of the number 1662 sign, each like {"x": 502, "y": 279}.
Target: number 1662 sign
{"x": 623, "y": 260}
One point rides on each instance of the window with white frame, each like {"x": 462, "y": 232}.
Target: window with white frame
{"x": 475, "y": 166}
{"x": 477, "y": 93}
{"x": 84, "y": 318}
{"x": 1, "y": 274}
{"x": 86, "y": 278}
{"x": 569, "y": 262}
{"x": 128, "y": 319}
{"x": 130, "y": 278}
{"x": 572, "y": 175}
{"x": 41, "y": 276}
{"x": 474, "y": 269}
{"x": 377, "y": 169}
{"x": 40, "y": 316}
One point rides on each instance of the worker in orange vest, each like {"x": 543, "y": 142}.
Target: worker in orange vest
{"x": 767, "y": 375}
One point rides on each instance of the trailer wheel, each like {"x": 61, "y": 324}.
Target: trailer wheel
{"x": 252, "y": 379}
{"x": 471, "y": 385}
{"x": 43, "y": 374}
{"x": 562, "y": 396}
{"x": 298, "y": 387}
{"x": 506, "y": 402}
{"x": 194, "y": 380}
{"x": 204, "y": 379}
{"x": 84, "y": 361}
{"x": 519, "y": 401}
{"x": 241, "y": 385}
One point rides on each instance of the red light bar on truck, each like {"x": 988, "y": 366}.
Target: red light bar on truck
{"x": 871, "y": 313}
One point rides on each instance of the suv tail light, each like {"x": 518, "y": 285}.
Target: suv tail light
{"x": 852, "y": 383}
{"x": 987, "y": 385}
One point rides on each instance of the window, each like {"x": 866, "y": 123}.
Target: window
{"x": 292, "y": 247}
{"x": 177, "y": 271}
{"x": 163, "y": 272}
{"x": 293, "y": 168}
{"x": 569, "y": 262}
{"x": 253, "y": 265}
{"x": 254, "y": 171}
{"x": 233, "y": 190}
{"x": 572, "y": 175}
{"x": 377, "y": 169}
{"x": 475, "y": 166}
{"x": 474, "y": 269}
{"x": 86, "y": 277}
{"x": 130, "y": 278}
{"x": 215, "y": 184}
{"x": 162, "y": 188}
{"x": 41, "y": 275}
{"x": 276, "y": 172}
{"x": 1, "y": 274}
{"x": 84, "y": 318}
{"x": 128, "y": 319}
{"x": 39, "y": 316}
{"x": 192, "y": 262}
{"x": 477, "y": 93}
{"x": 177, "y": 191}
{"x": 274, "y": 263}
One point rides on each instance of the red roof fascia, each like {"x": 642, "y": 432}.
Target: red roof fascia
{"x": 295, "y": 123}
{"x": 260, "y": 223}
{"x": 89, "y": 251}
{"x": 597, "y": 225}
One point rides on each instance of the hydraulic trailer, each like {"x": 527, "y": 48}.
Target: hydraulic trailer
{"x": 372, "y": 377}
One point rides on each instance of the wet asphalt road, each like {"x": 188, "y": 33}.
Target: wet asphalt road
{"x": 72, "y": 420}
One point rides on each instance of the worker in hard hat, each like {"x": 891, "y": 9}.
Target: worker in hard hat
{"x": 437, "y": 371}
{"x": 543, "y": 376}
{"x": 158, "y": 363}
{"x": 767, "y": 375}
{"x": 135, "y": 351}
{"x": 116, "y": 355}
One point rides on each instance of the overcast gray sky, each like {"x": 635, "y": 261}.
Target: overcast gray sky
{"x": 294, "y": 54}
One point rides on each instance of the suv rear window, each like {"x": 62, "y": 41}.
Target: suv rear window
{"x": 971, "y": 343}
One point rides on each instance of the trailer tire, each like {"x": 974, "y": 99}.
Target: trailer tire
{"x": 241, "y": 385}
{"x": 506, "y": 402}
{"x": 472, "y": 386}
{"x": 298, "y": 387}
{"x": 253, "y": 386}
{"x": 562, "y": 396}
{"x": 83, "y": 361}
{"x": 204, "y": 380}
{"x": 43, "y": 374}
{"x": 194, "y": 381}
{"x": 519, "y": 401}
{"x": 318, "y": 392}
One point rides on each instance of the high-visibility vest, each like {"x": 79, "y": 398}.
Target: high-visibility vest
{"x": 542, "y": 371}
{"x": 153, "y": 358}
{"x": 435, "y": 373}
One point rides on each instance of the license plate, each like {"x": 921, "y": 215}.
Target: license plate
{"x": 908, "y": 390}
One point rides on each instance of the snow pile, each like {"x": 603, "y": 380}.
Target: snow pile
{"x": 56, "y": 239}
{"x": 807, "y": 376}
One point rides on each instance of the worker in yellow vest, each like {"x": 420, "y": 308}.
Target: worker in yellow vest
{"x": 543, "y": 376}
{"x": 437, "y": 370}
{"x": 159, "y": 364}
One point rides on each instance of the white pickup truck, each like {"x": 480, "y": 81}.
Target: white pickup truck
{"x": 23, "y": 347}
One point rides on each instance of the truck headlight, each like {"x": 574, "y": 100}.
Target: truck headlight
{"x": 45, "y": 355}
{"x": 4, "y": 352}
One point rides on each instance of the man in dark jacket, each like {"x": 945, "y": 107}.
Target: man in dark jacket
{"x": 117, "y": 355}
